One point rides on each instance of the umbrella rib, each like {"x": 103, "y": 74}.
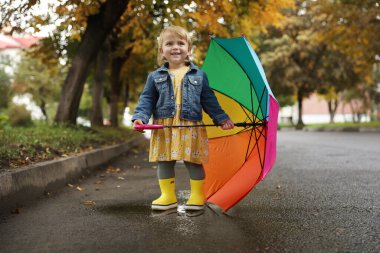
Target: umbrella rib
{"x": 261, "y": 134}
{"x": 258, "y": 150}
{"x": 249, "y": 144}
{"x": 251, "y": 85}
{"x": 256, "y": 144}
{"x": 259, "y": 107}
{"x": 246, "y": 114}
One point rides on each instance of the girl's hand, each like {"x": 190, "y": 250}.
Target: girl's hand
{"x": 138, "y": 122}
{"x": 227, "y": 124}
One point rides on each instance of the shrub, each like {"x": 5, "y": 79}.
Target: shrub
{"x": 19, "y": 115}
{"x": 4, "y": 120}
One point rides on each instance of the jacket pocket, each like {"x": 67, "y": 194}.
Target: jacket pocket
{"x": 194, "y": 95}
{"x": 161, "y": 82}
{"x": 195, "y": 80}
{"x": 162, "y": 86}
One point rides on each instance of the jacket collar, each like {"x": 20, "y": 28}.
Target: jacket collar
{"x": 164, "y": 67}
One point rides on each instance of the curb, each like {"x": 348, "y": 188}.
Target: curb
{"x": 31, "y": 182}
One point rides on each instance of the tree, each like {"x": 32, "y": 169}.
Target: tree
{"x": 4, "y": 89}
{"x": 99, "y": 26}
{"x": 292, "y": 56}
{"x": 41, "y": 81}
{"x": 102, "y": 60}
{"x": 351, "y": 27}
{"x": 337, "y": 74}
{"x": 78, "y": 18}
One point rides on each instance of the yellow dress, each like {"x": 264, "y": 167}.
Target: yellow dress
{"x": 179, "y": 143}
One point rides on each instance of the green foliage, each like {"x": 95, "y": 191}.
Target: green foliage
{"x": 4, "y": 120}
{"x": 19, "y": 115}
{"x": 4, "y": 89}
{"x": 346, "y": 125}
{"x": 42, "y": 81}
{"x": 24, "y": 145}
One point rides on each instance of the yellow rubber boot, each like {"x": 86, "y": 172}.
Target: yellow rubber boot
{"x": 168, "y": 199}
{"x": 197, "y": 199}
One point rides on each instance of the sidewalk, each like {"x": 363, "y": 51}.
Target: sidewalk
{"x": 34, "y": 181}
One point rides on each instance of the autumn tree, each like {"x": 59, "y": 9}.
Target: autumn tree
{"x": 293, "y": 57}
{"x": 139, "y": 26}
{"x": 4, "y": 89}
{"x": 336, "y": 74}
{"x": 99, "y": 26}
{"x": 352, "y": 27}
{"x": 39, "y": 80}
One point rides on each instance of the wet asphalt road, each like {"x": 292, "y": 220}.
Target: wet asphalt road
{"x": 323, "y": 195}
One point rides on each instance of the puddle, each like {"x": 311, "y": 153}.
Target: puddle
{"x": 125, "y": 209}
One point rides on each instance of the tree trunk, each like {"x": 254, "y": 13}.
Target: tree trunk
{"x": 300, "y": 95}
{"x": 98, "y": 88}
{"x": 126, "y": 95}
{"x": 43, "y": 110}
{"x": 353, "y": 111}
{"x": 99, "y": 26}
{"x": 333, "y": 106}
{"x": 116, "y": 86}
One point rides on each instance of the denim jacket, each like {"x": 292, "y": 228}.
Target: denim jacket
{"x": 158, "y": 98}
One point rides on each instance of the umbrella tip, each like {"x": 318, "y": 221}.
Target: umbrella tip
{"x": 242, "y": 35}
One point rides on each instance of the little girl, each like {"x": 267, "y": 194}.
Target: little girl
{"x": 175, "y": 94}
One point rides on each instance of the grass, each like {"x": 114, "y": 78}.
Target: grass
{"x": 20, "y": 146}
{"x": 372, "y": 124}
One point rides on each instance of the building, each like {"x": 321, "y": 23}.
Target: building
{"x": 315, "y": 111}
{"x": 11, "y": 47}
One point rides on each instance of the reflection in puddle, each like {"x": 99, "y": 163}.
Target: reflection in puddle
{"x": 123, "y": 209}
{"x": 156, "y": 213}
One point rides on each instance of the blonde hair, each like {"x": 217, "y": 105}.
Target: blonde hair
{"x": 176, "y": 30}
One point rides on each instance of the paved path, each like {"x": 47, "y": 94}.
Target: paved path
{"x": 322, "y": 196}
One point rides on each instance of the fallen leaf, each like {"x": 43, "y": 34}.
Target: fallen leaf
{"x": 118, "y": 186}
{"x": 17, "y": 210}
{"x": 89, "y": 202}
{"x": 99, "y": 182}
{"x": 121, "y": 178}
{"x": 70, "y": 185}
{"x": 79, "y": 188}
{"x": 339, "y": 231}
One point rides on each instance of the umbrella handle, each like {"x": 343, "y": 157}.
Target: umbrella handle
{"x": 155, "y": 126}
{"x": 147, "y": 127}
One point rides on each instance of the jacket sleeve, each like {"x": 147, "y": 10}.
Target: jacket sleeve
{"x": 210, "y": 103}
{"x": 147, "y": 101}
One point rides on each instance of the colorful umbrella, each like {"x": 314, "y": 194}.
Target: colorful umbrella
{"x": 239, "y": 159}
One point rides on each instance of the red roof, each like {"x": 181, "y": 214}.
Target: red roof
{"x": 7, "y": 41}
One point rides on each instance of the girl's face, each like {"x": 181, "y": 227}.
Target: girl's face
{"x": 175, "y": 50}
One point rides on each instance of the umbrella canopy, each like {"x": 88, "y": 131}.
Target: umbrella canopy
{"x": 238, "y": 159}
